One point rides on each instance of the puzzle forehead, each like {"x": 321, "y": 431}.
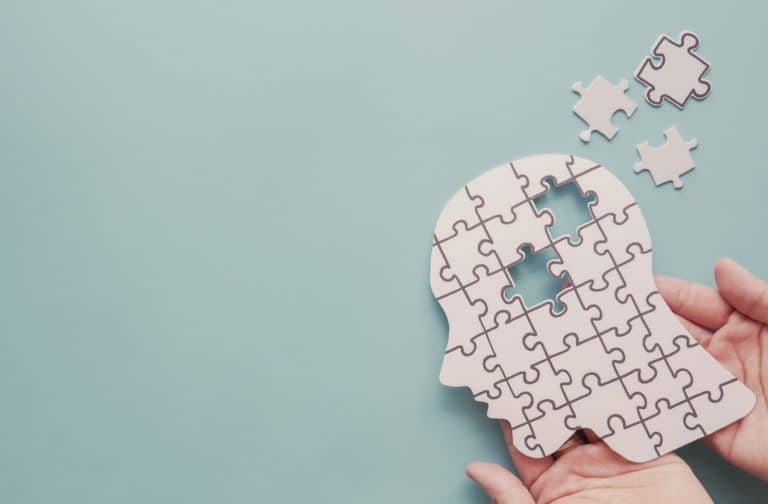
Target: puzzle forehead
{"x": 596, "y": 365}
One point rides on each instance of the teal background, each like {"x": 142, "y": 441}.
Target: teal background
{"x": 216, "y": 222}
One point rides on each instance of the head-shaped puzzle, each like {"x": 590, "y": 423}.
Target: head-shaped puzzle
{"x": 616, "y": 360}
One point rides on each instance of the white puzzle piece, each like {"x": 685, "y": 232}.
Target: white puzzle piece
{"x": 580, "y": 260}
{"x": 504, "y": 403}
{"x": 604, "y": 392}
{"x": 466, "y": 315}
{"x": 669, "y": 385}
{"x": 489, "y": 290}
{"x": 462, "y": 210}
{"x": 709, "y": 410}
{"x": 619, "y": 236}
{"x": 610, "y": 200}
{"x": 678, "y": 75}
{"x": 668, "y": 162}
{"x": 535, "y": 169}
{"x": 547, "y": 417}
{"x": 668, "y": 421}
{"x": 461, "y": 365}
{"x": 599, "y": 101}
{"x": 552, "y": 328}
{"x": 616, "y": 360}
{"x": 497, "y": 194}
{"x": 506, "y": 239}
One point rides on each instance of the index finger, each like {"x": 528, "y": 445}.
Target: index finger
{"x": 746, "y": 292}
{"x": 698, "y": 303}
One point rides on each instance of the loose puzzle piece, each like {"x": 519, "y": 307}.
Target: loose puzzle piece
{"x": 678, "y": 74}
{"x": 668, "y": 162}
{"x": 616, "y": 360}
{"x": 599, "y": 101}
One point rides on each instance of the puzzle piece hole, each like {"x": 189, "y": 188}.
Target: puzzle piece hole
{"x": 533, "y": 281}
{"x": 568, "y": 205}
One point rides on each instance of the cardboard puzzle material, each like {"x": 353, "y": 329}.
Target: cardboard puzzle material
{"x": 677, "y": 74}
{"x": 599, "y": 102}
{"x": 668, "y": 162}
{"x": 616, "y": 360}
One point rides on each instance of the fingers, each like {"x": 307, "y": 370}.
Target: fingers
{"x": 528, "y": 468}
{"x": 501, "y": 485}
{"x": 698, "y": 303}
{"x": 747, "y": 293}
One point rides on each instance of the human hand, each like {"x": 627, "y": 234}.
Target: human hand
{"x": 589, "y": 472}
{"x": 732, "y": 324}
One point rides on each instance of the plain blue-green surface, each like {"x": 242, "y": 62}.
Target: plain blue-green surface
{"x": 216, "y": 220}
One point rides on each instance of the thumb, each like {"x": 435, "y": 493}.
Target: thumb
{"x": 501, "y": 485}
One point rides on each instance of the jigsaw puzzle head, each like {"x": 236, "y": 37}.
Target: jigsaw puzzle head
{"x": 549, "y": 372}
